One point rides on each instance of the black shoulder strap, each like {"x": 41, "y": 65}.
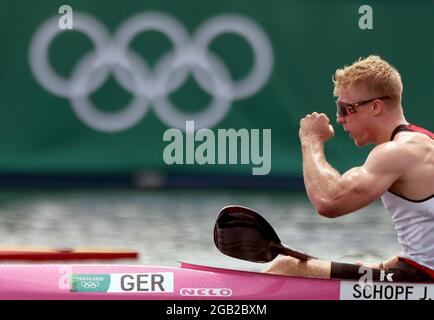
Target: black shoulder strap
{"x": 410, "y": 127}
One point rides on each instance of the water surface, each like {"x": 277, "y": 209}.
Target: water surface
{"x": 167, "y": 226}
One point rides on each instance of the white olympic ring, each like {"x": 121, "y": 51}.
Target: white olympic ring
{"x": 89, "y": 284}
{"x": 152, "y": 87}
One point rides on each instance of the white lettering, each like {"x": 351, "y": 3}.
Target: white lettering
{"x": 367, "y": 20}
{"x": 66, "y": 20}
{"x": 233, "y": 147}
{"x": 205, "y": 292}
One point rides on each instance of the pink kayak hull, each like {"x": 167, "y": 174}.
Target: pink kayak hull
{"x": 48, "y": 282}
{"x": 189, "y": 282}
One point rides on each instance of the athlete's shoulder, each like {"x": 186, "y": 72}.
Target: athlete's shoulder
{"x": 414, "y": 143}
{"x": 395, "y": 153}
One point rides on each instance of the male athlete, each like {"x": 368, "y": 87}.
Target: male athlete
{"x": 400, "y": 170}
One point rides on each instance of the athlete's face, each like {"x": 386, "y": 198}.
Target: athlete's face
{"x": 356, "y": 123}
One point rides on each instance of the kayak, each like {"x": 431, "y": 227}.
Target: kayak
{"x": 186, "y": 282}
{"x": 240, "y": 233}
{"x": 63, "y": 254}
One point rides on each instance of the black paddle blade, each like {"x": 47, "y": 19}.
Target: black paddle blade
{"x": 242, "y": 233}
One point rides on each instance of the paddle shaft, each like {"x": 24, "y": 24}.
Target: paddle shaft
{"x": 290, "y": 252}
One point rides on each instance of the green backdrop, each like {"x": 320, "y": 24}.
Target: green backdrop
{"x": 40, "y": 133}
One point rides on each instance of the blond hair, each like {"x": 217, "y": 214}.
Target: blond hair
{"x": 373, "y": 74}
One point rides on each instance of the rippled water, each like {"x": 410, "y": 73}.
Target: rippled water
{"x": 167, "y": 226}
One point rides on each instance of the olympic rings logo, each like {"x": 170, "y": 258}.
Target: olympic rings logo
{"x": 152, "y": 87}
{"x": 89, "y": 284}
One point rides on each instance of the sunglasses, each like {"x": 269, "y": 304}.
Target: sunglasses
{"x": 344, "y": 108}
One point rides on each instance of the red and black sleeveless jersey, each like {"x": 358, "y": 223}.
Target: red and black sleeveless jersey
{"x": 413, "y": 128}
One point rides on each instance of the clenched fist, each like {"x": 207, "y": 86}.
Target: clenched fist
{"x": 315, "y": 127}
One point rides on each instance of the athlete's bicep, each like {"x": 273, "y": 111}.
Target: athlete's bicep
{"x": 363, "y": 185}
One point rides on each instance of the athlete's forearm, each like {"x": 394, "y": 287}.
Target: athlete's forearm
{"x": 320, "y": 178}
